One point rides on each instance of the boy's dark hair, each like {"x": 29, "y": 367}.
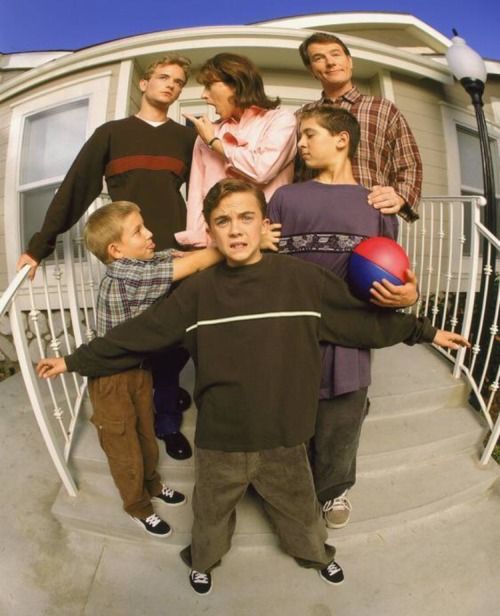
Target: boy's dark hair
{"x": 105, "y": 226}
{"x": 230, "y": 186}
{"x": 240, "y": 73}
{"x": 320, "y": 37}
{"x": 335, "y": 120}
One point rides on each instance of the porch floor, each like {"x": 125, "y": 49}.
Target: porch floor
{"x": 447, "y": 563}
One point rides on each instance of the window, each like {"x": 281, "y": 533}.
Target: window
{"x": 51, "y": 140}
{"x": 471, "y": 174}
{"x": 47, "y": 130}
{"x": 463, "y": 157}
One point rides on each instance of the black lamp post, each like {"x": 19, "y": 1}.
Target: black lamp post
{"x": 469, "y": 68}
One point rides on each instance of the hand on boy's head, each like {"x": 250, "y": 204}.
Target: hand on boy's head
{"x": 385, "y": 199}
{"x": 270, "y": 237}
{"x": 49, "y": 367}
{"x": 450, "y": 340}
{"x": 388, "y": 295}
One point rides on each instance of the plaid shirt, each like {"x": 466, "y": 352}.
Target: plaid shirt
{"x": 387, "y": 154}
{"x": 130, "y": 286}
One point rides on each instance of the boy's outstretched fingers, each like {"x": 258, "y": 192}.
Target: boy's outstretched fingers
{"x": 450, "y": 340}
{"x": 50, "y": 367}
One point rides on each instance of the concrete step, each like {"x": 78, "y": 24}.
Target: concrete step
{"x": 389, "y": 499}
{"x": 412, "y": 379}
{"x": 97, "y": 509}
{"x": 386, "y": 441}
{"x": 418, "y": 456}
{"x": 389, "y": 441}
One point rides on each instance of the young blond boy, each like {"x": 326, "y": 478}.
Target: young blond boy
{"x": 252, "y": 325}
{"x": 123, "y": 403}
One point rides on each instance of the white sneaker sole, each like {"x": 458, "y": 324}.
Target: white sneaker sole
{"x": 155, "y": 499}
{"x": 329, "y": 581}
{"x": 332, "y": 525}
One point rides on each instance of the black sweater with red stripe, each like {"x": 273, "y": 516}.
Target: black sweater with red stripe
{"x": 142, "y": 163}
{"x": 253, "y": 333}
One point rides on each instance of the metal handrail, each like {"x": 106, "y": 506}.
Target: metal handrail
{"x": 449, "y": 280}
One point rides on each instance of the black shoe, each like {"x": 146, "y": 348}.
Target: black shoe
{"x": 332, "y": 573}
{"x": 177, "y": 446}
{"x": 201, "y": 583}
{"x": 169, "y": 496}
{"x": 154, "y": 525}
{"x": 184, "y": 400}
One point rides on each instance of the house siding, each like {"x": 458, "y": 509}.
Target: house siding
{"x": 5, "y": 120}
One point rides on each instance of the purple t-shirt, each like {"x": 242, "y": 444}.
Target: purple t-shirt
{"x": 322, "y": 223}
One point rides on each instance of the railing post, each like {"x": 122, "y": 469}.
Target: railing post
{"x": 37, "y": 404}
{"x": 478, "y": 202}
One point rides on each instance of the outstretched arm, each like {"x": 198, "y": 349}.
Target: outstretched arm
{"x": 450, "y": 340}
{"x": 49, "y": 367}
{"x": 196, "y": 261}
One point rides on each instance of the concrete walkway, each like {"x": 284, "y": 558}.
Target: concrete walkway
{"x": 446, "y": 564}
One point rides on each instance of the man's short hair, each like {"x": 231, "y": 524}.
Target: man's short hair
{"x": 320, "y": 37}
{"x": 105, "y": 226}
{"x": 171, "y": 58}
{"x": 335, "y": 120}
{"x": 230, "y": 186}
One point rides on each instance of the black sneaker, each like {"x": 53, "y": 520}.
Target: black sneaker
{"x": 183, "y": 400}
{"x": 201, "y": 583}
{"x": 332, "y": 573}
{"x": 154, "y": 525}
{"x": 169, "y": 496}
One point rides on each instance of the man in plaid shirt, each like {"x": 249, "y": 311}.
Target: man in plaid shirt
{"x": 387, "y": 161}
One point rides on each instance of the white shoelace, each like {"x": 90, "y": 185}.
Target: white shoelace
{"x": 198, "y": 577}
{"x": 341, "y": 502}
{"x": 333, "y": 568}
{"x": 168, "y": 492}
{"x": 153, "y": 520}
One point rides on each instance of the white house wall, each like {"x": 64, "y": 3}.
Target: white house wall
{"x": 417, "y": 84}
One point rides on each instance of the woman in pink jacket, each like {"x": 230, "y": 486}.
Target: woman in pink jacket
{"x": 254, "y": 139}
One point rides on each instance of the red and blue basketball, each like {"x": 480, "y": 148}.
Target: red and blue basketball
{"x": 374, "y": 259}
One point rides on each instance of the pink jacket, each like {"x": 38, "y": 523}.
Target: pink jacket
{"x": 260, "y": 147}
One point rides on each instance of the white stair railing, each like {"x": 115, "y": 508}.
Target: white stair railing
{"x": 449, "y": 279}
{"x": 60, "y": 317}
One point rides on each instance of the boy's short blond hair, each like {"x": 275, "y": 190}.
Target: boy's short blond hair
{"x": 171, "y": 58}
{"x": 105, "y": 226}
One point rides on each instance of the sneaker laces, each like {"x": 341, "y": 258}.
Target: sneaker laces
{"x": 332, "y": 568}
{"x": 153, "y": 520}
{"x": 198, "y": 577}
{"x": 168, "y": 492}
{"x": 339, "y": 503}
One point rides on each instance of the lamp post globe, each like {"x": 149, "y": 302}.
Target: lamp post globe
{"x": 469, "y": 68}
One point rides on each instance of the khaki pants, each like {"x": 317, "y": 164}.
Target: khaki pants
{"x": 123, "y": 416}
{"x": 283, "y": 479}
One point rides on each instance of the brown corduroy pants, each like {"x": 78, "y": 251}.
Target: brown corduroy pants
{"x": 123, "y": 416}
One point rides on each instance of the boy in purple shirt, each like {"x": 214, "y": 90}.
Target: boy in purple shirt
{"x": 322, "y": 221}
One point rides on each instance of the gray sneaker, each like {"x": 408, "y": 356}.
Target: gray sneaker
{"x": 337, "y": 511}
